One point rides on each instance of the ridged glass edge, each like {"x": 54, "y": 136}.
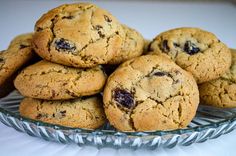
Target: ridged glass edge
{"x": 111, "y": 132}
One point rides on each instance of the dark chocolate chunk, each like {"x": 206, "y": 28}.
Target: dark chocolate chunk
{"x": 39, "y": 116}
{"x": 22, "y": 46}
{"x": 160, "y": 74}
{"x": 64, "y": 45}
{"x": 38, "y": 29}
{"x": 191, "y": 48}
{"x": 101, "y": 34}
{"x": 98, "y": 27}
{"x": 107, "y": 18}
{"x": 72, "y": 94}
{"x": 123, "y": 97}
{"x": 165, "y": 46}
{"x": 63, "y": 113}
{"x": 176, "y": 45}
{"x": 68, "y": 17}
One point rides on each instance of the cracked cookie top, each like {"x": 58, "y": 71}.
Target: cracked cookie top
{"x": 79, "y": 35}
{"x": 222, "y": 91}
{"x": 195, "y": 50}
{"x": 132, "y": 46}
{"x": 50, "y": 81}
{"x": 19, "y": 53}
{"x": 150, "y": 93}
{"x": 86, "y": 112}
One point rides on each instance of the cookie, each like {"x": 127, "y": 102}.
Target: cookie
{"x": 86, "y": 112}
{"x": 21, "y": 41}
{"x": 133, "y": 46}
{"x": 195, "y": 50}
{"x": 222, "y": 91}
{"x": 50, "y": 81}
{"x": 79, "y": 35}
{"x": 18, "y": 54}
{"x": 150, "y": 93}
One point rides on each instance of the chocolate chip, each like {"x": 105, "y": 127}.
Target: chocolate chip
{"x": 123, "y": 97}
{"x": 107, "y": 18}
{"x": 165, "y": 46}
{"x": 101, "y": 34}
{"x": 64, "y": 45}
{"x": 176, "y": 45}
{"x": 71, "y": 93}
{"x": 39, "y": 116}
{"x": 160, "y": 74}
{"x": 1, "y": 59}
{"x": 68, "y": 17}
{"x": 22, "y": 46}
{"x": 191, "y": 48}
{"x": 63, "y": 113}
{"x": 98, "y": 28}
{"x": 38, "y": 29}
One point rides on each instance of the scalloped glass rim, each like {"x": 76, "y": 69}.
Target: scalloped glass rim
{"x": 114, "y": 132}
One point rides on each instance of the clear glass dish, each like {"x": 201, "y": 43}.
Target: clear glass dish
{"x": 209, "y": 123}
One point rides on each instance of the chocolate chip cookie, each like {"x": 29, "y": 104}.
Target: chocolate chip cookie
{"x": 148, "y": 93}
{"x": 18, "y": 54}
{"x": 195, "y": 50}
{"x": 79, "y": 35}
{"x": 133, "y": 46}
{"x": 222, "y": 91}
{"x": 50, "y": 81}
{"x": 86, "y": 112}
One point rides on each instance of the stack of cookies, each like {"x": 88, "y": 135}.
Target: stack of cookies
{"x": 91, "y": 70}
{"x": 74, "y": 42}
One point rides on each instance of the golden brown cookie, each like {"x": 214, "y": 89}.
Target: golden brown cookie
{"x": 18, "y": 54}
{"x": 222, "y": 91}
{"x": 50, "y": 81}
{"x": 148, "y": 93}
{"x": 195, "y": 50}
{"x": 133, "y": 46}
{"x": 86, "y": 112}
{"x": 79, "y": 35}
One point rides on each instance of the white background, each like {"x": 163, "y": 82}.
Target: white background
{"x": 148, "y": 17}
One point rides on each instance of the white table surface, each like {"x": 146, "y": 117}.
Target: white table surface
{"x": 150, "y": 18}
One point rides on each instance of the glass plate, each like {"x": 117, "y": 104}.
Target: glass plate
{"x": 209, "y": 123}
